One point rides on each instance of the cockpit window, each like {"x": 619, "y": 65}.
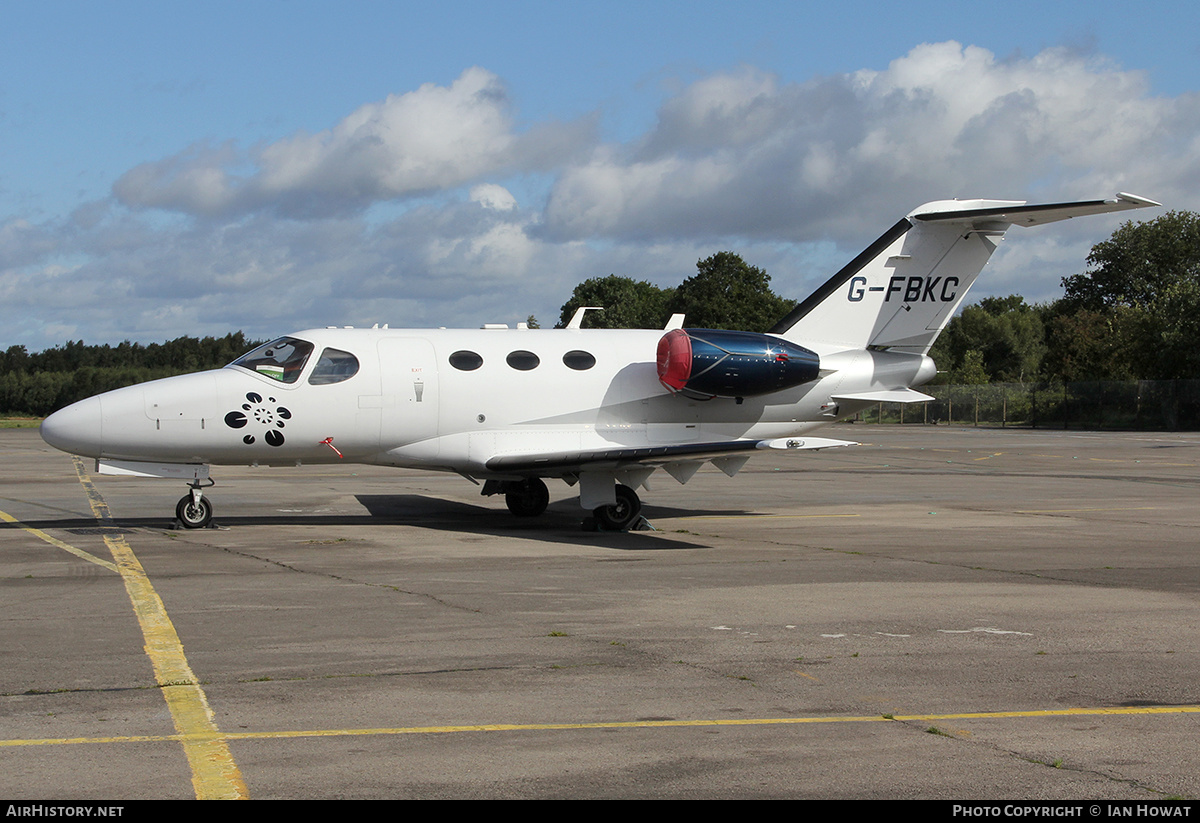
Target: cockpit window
{"x": 281, "y": 359}
{"x": 333, "y": 366}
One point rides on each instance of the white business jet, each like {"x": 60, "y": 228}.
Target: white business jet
{"x": 599, "y": 408}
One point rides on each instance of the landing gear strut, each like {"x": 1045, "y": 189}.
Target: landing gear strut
{"x": 193, "y": 511}
{"x": 623, "y": 514}
{"x": 527, "y": 498}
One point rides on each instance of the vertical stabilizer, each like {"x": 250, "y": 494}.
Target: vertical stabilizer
{"x": 903, "y": 289}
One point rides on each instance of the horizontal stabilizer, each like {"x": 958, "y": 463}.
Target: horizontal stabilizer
{"x": 887, "y": 396}
{"x": 1019, "y": 214}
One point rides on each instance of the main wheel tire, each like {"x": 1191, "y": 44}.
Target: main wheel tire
{"x": 193, "y": 514}
{"x": 529, "y": 498}
{"x": 619, "y": 517}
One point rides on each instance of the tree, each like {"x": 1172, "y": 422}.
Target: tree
{"x": 1093, "y": 345}
{"x": 727, "y": 293}
{"x": 1142, "y": 289}
{"x": 44, "y": 381}
{"x": 15, "y": 358}
{"x": 971, "y": 372}
{"x": 627, "y": 304}
{"x": 1138, "y": 264}
{"x": 1004, "y": 337}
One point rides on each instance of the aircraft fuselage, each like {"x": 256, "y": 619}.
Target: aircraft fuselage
{"x": 452, "y": 400}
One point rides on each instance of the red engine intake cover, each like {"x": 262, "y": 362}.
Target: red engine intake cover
{"x": 675, "y": 359}
{"x": 707, "y": 363}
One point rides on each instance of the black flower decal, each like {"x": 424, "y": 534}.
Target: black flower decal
{"x": 264, "y": 413}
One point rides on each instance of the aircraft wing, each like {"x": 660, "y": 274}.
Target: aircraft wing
{"x": 555, "y": 463}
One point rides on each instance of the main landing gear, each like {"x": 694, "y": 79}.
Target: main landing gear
{"x": 530, "y": 497}
{"x": 193, "y": 511}
{"x": 622, "y": 514}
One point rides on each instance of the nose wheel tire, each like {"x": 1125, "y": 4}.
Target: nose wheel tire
{"x": 528, "y": 498}
{"x": 623, "y": 514}
{"x": 194, "y": 514}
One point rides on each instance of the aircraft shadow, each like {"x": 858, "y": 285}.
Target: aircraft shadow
{"x": 561, "y": 523}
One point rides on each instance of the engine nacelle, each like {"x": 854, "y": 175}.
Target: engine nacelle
{"x": 708, "y": 363}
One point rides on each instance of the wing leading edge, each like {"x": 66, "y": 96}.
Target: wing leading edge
{"x": 559, "y": 463}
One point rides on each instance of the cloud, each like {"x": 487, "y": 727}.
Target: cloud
{"x": 23, "y": 243}
{"x": 428, "y": 140}
{"x": 432, "y": 208}
{"x": 741, "y": 154}
{"x": 491, "y": 196}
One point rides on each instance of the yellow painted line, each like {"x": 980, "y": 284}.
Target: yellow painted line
{"x": 215, "y": 776}
{"x": 1063, "y": 511}
{"x": 620, "y": 724}
{"x": 757, "y": 516}
{"x": 54, "y": 541}
{"x": 1077, "y": 712}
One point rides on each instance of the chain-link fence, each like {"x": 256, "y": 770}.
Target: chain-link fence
{"x": 1110, "y": 404}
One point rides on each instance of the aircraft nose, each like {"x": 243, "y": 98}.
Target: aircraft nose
{"x": 77, "y": 429}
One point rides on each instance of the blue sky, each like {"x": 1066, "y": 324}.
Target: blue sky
{"x": 171, "y": 168}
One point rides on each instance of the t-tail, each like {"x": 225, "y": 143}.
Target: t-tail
{"x": 903, "y": 289}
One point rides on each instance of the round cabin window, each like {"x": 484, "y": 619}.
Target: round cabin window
{"x": 579, "y": 360}
{"x": 523, "y": 360}
{"x": 466, "y": 360}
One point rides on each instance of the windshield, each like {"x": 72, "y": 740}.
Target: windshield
{"x": 281, "y": 359}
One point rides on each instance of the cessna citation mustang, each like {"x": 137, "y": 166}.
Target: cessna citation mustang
{"x": 598, "y": 408}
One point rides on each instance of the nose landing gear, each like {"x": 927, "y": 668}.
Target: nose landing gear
{"x": 193, "y": 511}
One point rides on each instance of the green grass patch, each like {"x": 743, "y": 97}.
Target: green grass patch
{"x": 20, "y": 422}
